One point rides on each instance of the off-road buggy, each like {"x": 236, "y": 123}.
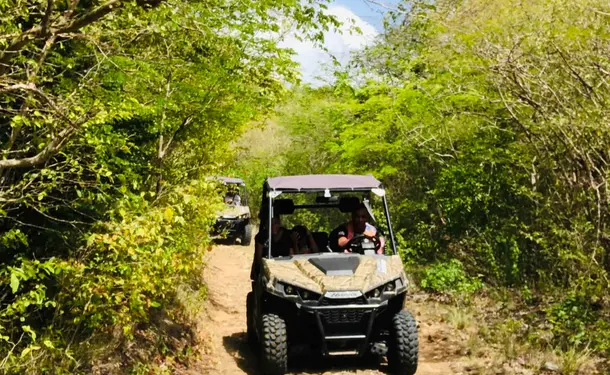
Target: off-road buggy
{"x": 233, "y": 221}
{"x": 333, "y": 302}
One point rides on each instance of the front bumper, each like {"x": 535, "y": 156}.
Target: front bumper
{"x": 345, "y": 329}
{"x": 338, "y": 322}
{"x": 341, "y": 326}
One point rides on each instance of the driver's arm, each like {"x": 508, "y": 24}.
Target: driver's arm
{"x": 382, "y": 245}
{"x": 343, "y": 241}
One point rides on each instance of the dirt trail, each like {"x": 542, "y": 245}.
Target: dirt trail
{"x": 227, "y": 276}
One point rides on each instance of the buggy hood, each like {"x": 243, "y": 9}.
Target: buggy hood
{"x": 321, "y": 273}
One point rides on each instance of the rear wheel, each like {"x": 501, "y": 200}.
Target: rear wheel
{"x": 274, "y": 342}
{"x": 246, "y": 237}
{"x": 403, "y": 344}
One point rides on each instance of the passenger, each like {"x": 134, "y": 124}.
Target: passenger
{"x": 282, "y": 244}
{"x": 303, "y": 240}
{"x": 357, "y": 225}
{"x": 228, "y": 199}
{"x": 233, "y": 198}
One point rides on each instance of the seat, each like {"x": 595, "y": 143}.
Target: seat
{"x": 321, "y": 239}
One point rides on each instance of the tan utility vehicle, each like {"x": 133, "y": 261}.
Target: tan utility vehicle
{"x": 337, "y": 301}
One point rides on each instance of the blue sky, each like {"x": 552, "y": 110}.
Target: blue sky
{"x": 367, "y": 11}
{"x": 366, "y": 15}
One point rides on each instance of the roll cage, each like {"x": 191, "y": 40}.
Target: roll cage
{"x": 316, "y": 184}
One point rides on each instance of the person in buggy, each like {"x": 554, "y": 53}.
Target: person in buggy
{"x": 304, "y": 242}
{"x": 282, "y": 245}
{"x": 341, "y": 236}
{"x": 233, "y": 198}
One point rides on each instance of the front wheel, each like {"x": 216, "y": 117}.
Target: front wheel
{"x": 403, "y": 344}
{"x": 246, "y": 237}
{"x": 274, "y": 345}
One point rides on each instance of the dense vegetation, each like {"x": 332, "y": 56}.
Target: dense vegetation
{"x": 112, "y": 112}
{"x": 489, "y": 122}
{"x": 487, "y": 119}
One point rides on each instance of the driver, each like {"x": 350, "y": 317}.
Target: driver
{"x": 356, "y": 226}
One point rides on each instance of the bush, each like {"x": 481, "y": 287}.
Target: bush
{"x": 59, "y": 310}
{"x": 448, "y": 277}
{"x": 580, "y": 320}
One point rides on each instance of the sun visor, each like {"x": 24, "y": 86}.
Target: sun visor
{"x": 348, "y": 204}
{"x": 283, "y": 207}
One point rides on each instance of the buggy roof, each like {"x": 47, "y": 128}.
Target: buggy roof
{"x": 320, "y": 182}
{"x": 231, "y": 180}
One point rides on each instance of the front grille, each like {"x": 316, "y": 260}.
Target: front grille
{"x": 343, "y": 316}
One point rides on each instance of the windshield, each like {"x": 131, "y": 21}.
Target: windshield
{"x": 317, "y": 221}
{"x": 235, "y": 195}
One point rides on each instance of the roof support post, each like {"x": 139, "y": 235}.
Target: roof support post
{"x": 387, "y": 217}
{"x": 270, "y": 218}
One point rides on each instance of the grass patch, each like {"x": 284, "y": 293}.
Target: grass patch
{"x": 459, "y": 317}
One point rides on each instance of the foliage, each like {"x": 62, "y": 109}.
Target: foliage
{"x": 448, "y": 277}
{"x": 256, "y": 156}
{"x": 579, "y": 320}
{"x": 124, "y": 270}
{"x": 112, "y": 112}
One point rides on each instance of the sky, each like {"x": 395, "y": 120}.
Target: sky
{"x": 366, "y": 15}
{"x": 366, "y": 11}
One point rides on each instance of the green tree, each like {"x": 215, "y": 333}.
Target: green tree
{"x": 112, "y": 112}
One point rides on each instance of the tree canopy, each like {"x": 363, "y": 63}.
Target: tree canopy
{"x": 112, "y": 112}
{"x": 487, "y": 120}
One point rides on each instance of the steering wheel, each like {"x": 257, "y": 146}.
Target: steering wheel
{"x": 358, "y": 240}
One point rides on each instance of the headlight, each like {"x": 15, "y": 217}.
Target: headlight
{"x": 306, "y": 295}
{"x": 388, "y": 288}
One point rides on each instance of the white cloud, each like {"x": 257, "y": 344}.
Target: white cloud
{"x": 339, "y": 44}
